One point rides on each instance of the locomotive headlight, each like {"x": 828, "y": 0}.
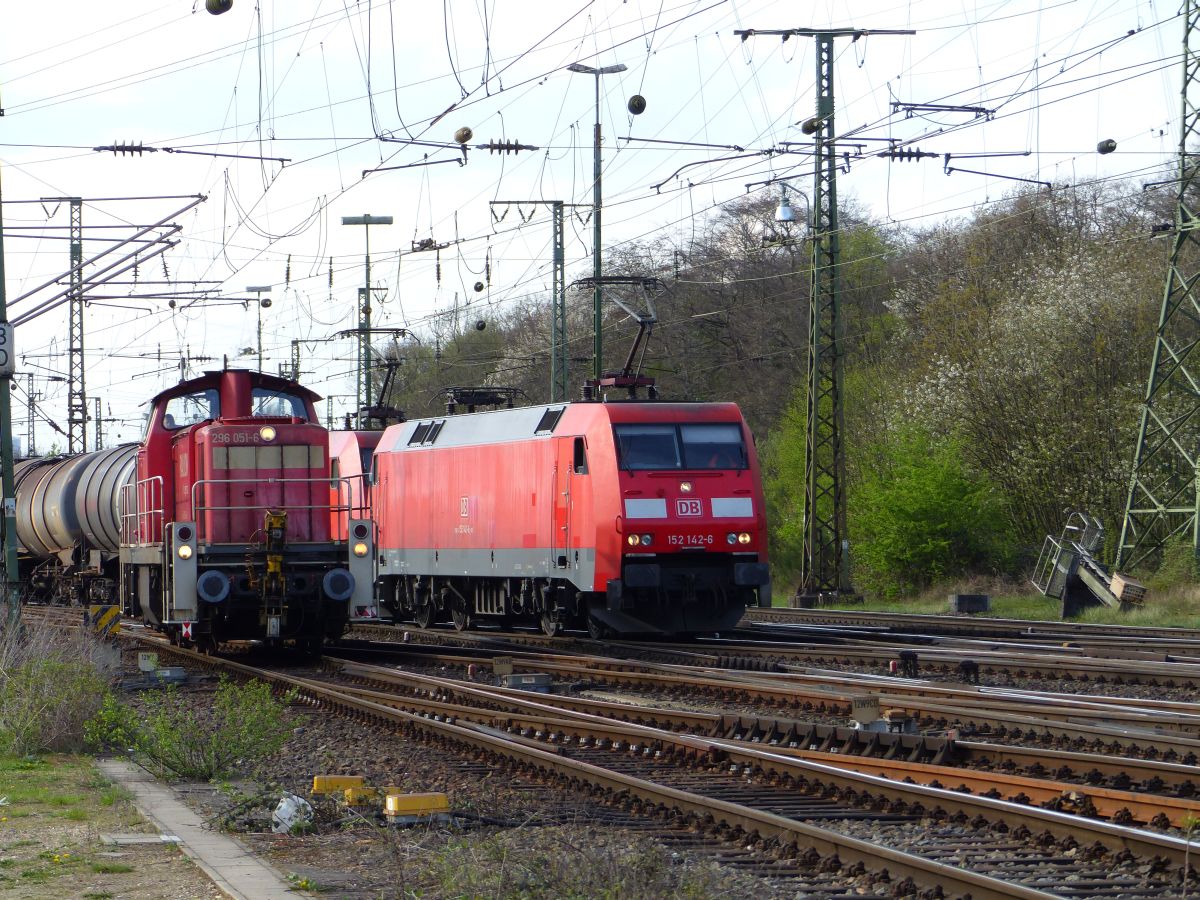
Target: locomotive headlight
{"x": 633, "y": 540}
{"x": 360, "y": 549}
{"x": 685, "y": 487}
{"x": 184, "y": 551}
{"x": 267, "y": 433}
{"x": 646, "y": 539}
{"x": 744, "y": 537}
{"x": 731, "y": 538}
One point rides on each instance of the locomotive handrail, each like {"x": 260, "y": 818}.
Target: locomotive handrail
{"x": 151, "y": 491}
{"x": 339, "y": 484}
{"x": 358, "y": 498}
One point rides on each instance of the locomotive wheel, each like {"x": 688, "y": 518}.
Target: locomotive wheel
{"x": 459, "y": 617}
{"x": 551, "y": 624}
{"x": 423, "y": 615}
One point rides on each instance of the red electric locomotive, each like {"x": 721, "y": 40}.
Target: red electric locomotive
{"x": 233, "y": 528}
{"x": 627, "y": 517}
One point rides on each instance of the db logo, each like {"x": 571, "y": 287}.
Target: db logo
{"x": 691, "y": 507}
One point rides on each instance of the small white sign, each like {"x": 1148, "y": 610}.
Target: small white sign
{"x": 8, "y": 353}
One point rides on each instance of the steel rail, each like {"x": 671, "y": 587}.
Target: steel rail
{"x": 772, "y": 760}
{"x": 833, "y": 702}
{"x": 505, "y": 708}
{"x": 949, "y": 624}
{"x": 664, "y": 800}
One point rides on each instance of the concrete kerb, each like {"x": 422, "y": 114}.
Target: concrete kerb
{"x": 231, "y": 865}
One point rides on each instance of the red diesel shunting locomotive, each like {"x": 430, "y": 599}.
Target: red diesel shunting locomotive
{"x": 628, "y": 517}
{"x": 230, "y": 529}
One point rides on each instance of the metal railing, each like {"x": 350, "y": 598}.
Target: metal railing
{"x": 1082, "y": 537}
{"x": 140, "y": 508}
{"x": 335, "y": 510}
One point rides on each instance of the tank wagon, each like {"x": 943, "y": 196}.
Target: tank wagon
{"x": 68, "y": 524}
{"x": 232, "y": 527}
{"x": 626, "y": 517}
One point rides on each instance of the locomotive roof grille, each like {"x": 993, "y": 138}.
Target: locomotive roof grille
{"x": 426, "y": 433}
{"x": 549, "y": 420}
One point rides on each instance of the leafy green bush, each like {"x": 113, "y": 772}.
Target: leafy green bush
{"x": 1178, "y": 565}
{"x": 197, "y": 740}
{"x": 781, "y": 455}
{"x": 51, "y": 682}
{"x": 919, "y": 514}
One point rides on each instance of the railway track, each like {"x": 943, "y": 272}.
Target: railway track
{"x": 947, "y": 659}
{"x": 973, "y": 626}
{"x": 792, "y": 808}
{"x": 935, "y": 761}
{"x": 1064, "y": 721}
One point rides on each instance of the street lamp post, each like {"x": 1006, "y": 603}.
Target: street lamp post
{"x": 258, "y": 290}
{"x": 597, "y": 291}
{"x": 363, "y": 389}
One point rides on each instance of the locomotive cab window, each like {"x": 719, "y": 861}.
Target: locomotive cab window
{"x": 190, "y": 409}
{"x": 267, "y": 404}
{"x": 647, "y": 446}
{"x": 713, "y": 446}
{"x": 716, "y": 445}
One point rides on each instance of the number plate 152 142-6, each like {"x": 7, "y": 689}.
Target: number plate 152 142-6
{"x": 689, "y": 540}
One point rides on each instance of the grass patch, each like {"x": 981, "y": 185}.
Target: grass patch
{"x": 1176, "y": 607}
{"x": 1173, "y": 607}
{"x": 1033, "y": 607}
{"x": 566, "y": 862}
{"x": 57, "y": 808}
{"x": 113, "y": 794}
{"x": 111, "y": 868}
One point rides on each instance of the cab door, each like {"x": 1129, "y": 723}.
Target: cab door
{"x": 560, "y": 535}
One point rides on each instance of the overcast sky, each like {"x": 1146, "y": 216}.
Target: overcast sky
{"x": 337, "y": 87}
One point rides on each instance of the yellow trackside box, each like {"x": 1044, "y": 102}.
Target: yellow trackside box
{"x": 417, "y": 805}
{"x": 335, "y": 784}
{"x": 360, "y": 796}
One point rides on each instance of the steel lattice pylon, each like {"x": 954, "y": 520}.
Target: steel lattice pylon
{"x": 1163, "y": 496}
{"x": 558, "y": 337}
{"x": 824, "y": 564}
{"x": 822, "y": 570}
{"x": 77, "y": 411}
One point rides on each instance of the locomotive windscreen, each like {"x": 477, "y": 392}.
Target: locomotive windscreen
{"x": 269, "y": 404}
{"x": 189, "y": 409}
{"x": 715, "y": 445}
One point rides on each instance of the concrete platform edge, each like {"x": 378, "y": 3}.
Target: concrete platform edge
{"x": 231, "y": 866}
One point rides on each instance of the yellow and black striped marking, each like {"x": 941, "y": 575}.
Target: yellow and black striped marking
{"x": 104, "y": 619}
